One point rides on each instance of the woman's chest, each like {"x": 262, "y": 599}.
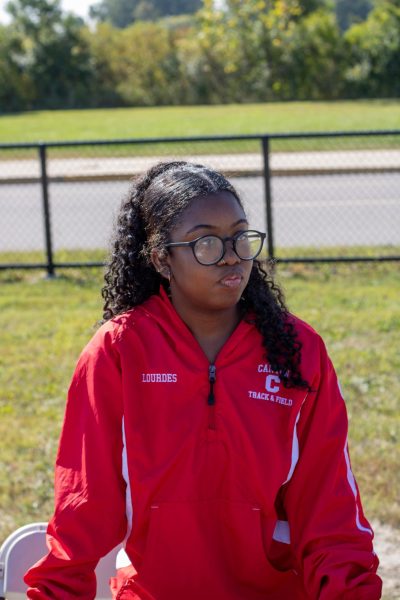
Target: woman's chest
{"x": 183, "y": 415}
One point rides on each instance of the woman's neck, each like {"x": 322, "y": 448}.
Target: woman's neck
{"x": 211, "y": 329}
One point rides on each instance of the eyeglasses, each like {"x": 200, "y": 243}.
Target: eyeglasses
{"x": 210, "y": 249}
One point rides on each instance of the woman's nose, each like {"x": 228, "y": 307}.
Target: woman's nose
{"x": 230, "y": 257}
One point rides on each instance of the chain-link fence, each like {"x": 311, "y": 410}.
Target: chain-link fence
{"x": 319, "y": 197}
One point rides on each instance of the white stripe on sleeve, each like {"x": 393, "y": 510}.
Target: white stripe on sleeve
{"x": 125, "y": 475}
{"x": 352, "y": 483}
{"x": 282, "y": 532}
{"x": 295, "y": 446}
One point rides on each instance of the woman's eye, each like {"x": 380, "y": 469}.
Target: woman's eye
{"x": 210, "y": 241}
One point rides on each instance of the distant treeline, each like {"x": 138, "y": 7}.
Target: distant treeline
{"x": 218, "y": 52}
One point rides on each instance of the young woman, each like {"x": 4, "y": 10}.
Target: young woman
{"x": 205, "y": 426}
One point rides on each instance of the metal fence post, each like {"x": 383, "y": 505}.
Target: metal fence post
{"x": 268, "y": 196}
{"x": 46, "y": 210}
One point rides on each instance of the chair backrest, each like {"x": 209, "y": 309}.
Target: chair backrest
{"x": 27, "y": 545}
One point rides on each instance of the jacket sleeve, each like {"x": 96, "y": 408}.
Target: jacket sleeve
{"x": 89, "y": 518}
{"x": 329, "y": 535}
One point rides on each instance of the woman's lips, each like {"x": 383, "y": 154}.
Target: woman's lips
{"x": 231, "y": 281}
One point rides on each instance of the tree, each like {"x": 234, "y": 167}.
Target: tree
{"x": 139, "y": 66}
{"x": 349, "y": 12}
{"x": 122, "y": 13}
{"x": 314, "y": 59}
{"x": 247, "y": 48}
{"x": 55, "y": 55}
{"x": 374, "y": 53}
{"x": 31, "y": 17}
{"x": 105, "y": 50}
{"x": 150, "y": 67}
{"x": 15, "y": 87}
{"x": 119, "y": 13}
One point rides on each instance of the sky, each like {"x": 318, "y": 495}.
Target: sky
{"x": 80, "y": 7}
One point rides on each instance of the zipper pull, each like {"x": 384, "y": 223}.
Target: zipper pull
{"x": 211, "y": 378}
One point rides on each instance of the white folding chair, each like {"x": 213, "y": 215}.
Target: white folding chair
{"x": 27, "y": 545}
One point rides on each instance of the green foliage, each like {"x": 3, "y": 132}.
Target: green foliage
{"x": 314, "y": 60}
{"x": 349, "y": 12}
{"x": 53, "y": 57}
{"x": 374, "y": 53}
{"x": 256, "y": 51}
{"x": 104, "y": 50}
{"x": 35, "y": 18}
{"x": 15, "y": 85}
{"x": 122, "y": 13}
{"x": 117, "y": 12}
{"x": 241, "y": 52}
{"x": 151, "y": 74}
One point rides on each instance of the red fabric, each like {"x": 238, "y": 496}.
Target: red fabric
{"x": 124, "y": 586}
{"x": 206, "y": 483}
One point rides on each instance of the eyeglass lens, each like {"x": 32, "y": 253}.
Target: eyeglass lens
{"x": 210, "y": 249}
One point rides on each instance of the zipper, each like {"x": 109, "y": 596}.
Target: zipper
{"x": 211, "y": 397}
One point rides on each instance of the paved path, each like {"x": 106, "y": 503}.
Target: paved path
{"x": 387, "y": 547}
{"x": 318, "y": 210}
{"x": 281, "y": 163}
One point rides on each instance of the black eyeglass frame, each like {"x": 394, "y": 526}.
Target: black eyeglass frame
{"x": 233, "y": 239}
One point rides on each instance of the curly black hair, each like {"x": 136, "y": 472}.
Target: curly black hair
{"x": 154, "y": 205}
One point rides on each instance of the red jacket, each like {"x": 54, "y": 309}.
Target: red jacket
{"x": 224, "y": 484}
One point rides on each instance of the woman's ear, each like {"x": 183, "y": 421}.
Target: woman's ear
{"x": 160, "y": 263}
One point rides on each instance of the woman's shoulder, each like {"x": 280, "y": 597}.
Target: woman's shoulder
{"x": 119, "y": 324}
{"x": 308, "y": 336}
{"x": 302, "y": 327}
{"x": 109, "y": 334}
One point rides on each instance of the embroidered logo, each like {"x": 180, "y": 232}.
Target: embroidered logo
{"x": 272, "y": 385}
{"x": 271, "y": 398}
{"x": 159, "y": 377}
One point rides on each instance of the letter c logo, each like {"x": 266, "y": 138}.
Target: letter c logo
{"x": 269, "y": 383}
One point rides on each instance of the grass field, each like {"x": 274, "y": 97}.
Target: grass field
{"x": 45, "y": 324}
{"x": 167, "y": 122}
{"x": 200, "y": 120}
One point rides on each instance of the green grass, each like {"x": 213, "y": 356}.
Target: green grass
{"x": 355, "y": 308}
{"x": 185, "y": 121}
{"x": 45, "y": 324}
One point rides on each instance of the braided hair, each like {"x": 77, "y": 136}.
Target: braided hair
{"x": 154, "y": 206}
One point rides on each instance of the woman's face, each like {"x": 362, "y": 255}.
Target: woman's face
{"x": 213, "y": 287}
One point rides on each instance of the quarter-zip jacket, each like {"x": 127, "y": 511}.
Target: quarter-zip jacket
{"x": 223, "y": 484}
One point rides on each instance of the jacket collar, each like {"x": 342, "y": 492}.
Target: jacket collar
{"x": 160, "y": 308}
